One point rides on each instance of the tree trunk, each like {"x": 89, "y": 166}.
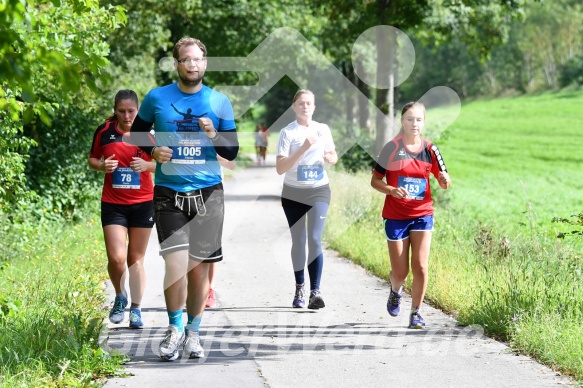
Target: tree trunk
{"x": 363, "y": 113}
{"x": 386, "y": 71}
{"x": 349, "y": 104}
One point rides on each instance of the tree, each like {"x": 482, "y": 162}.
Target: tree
{"x": 49, "y": 51}
{"x": 482, "y": 24}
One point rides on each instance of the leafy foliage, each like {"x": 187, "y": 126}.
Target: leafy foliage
{"x": 50, "y": 52}
{"x": 571, "y": 72}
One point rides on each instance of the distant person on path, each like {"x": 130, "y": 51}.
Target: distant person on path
{"x": 127, "y": 211}
{"x": 402, "y": 174}
{"x": 303, "y": 148}
{"x": 261, "y": 142}
{"x": 188, "y": 197}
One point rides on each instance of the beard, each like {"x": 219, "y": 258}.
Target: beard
{"x": 190, "y": 82}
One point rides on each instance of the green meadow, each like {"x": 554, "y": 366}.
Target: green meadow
{"x": 517, "y": 161}
{"x": 496, "y": 261}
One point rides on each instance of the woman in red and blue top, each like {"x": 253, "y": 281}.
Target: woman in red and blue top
{"x": 402, "y": 174}
{"x": 126, "y": 204}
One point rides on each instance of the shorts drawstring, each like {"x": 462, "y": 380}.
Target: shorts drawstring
{"x": 197, "y": 199}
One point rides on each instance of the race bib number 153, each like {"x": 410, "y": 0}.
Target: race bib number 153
{"x": 415, "y": 186}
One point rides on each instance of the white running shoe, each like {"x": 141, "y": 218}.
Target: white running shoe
{"x": 192, "y": 345}
{"x": 168, "y": 349}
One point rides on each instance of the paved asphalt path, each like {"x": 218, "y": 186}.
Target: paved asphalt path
{"x": 253, "y": 338}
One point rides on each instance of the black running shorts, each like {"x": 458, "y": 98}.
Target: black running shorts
{"x": 192, "y": 221}
{"x": 139, "y": 215}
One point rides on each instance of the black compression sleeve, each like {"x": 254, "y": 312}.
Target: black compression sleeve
{"x": 140, "y": 135}
{"x": 226, "y": 144}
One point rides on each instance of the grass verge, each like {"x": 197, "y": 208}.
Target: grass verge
{"x": 52, "y": 311}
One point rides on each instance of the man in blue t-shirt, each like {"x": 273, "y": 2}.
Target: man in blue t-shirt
{"x": 193, "y": 124}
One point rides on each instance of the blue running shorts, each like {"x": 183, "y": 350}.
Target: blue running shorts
{"x": 397, "y": 230}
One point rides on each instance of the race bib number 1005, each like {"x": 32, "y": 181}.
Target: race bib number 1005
{"x": 188, "y": 152}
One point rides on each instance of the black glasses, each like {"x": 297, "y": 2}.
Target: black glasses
{"x": 192, "y": 61}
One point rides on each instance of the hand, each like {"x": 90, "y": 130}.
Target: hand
{"x": 162, "y": 154}
{"x": 207, "y": 126}
{"x": 110, "y": 164}
{"x": 138, "y": 164}
{"x": 399, "y": 192}
{"x": 443, "y": 178}
{"x": 330, "y": 157}
{"x": 310, "y": 140}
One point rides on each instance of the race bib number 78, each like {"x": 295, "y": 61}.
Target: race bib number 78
{"x": 125, "y": 178}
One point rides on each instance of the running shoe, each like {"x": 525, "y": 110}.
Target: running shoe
{"x": 192, "y": 345}
{"x": 299, "y": 297}
{"x": 211, "y": 301}
{"x": 117, "y": 313}
{"x": 136, "y": 319}
{"x": 168, "y": 349}
{"x": 416, "y": 321}
{"x": 316, "y": 301}
{"x": 394, "y": 303}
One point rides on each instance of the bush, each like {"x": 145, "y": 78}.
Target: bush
{"x": 357, "y": 159}
{"x": 571, "y": 72}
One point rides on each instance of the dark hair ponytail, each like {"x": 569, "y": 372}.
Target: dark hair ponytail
{"x": 124, "y": 94}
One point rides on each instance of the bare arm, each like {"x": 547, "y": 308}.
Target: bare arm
{"x": 140, "y": 165}
{"x": 107, "y": 165}
{"x": 230, "y": 164}
{"x": 284, "y": 163}
{"x": 379, "y": 184}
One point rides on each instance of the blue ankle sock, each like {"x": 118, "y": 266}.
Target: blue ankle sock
{"x": 193, "y": 323}
{"x": 175, "y": 319}
{"x": 121, "y": 295}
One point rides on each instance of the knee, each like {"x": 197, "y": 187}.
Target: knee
{"x": 420, "y": 270}
{"x": 117, "y": 258}
{"x": 314, "y": 241}
{"x": 135, "y": 263}
{"x": 399, "y": 274}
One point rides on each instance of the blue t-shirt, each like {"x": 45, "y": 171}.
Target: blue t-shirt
{"x": 175, "y": 116}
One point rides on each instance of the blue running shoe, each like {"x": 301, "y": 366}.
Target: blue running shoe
{"x": 394, "y": 303}
{"x": 116, "y": 315}
{"x": 299, "y": 297}
{"x": 136, "y": 319}
{"x": 416, "y": 321}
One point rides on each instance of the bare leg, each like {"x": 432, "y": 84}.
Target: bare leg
{"x": 420, "y": 246}
{"x": 176, "y": 267}
{"x": 198, "y": 288}
{"x": 138, "y": 242}
{"x": 211, "y": 274}
{"x": 399, "y": 256}
{"x": 115, "y": 245}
